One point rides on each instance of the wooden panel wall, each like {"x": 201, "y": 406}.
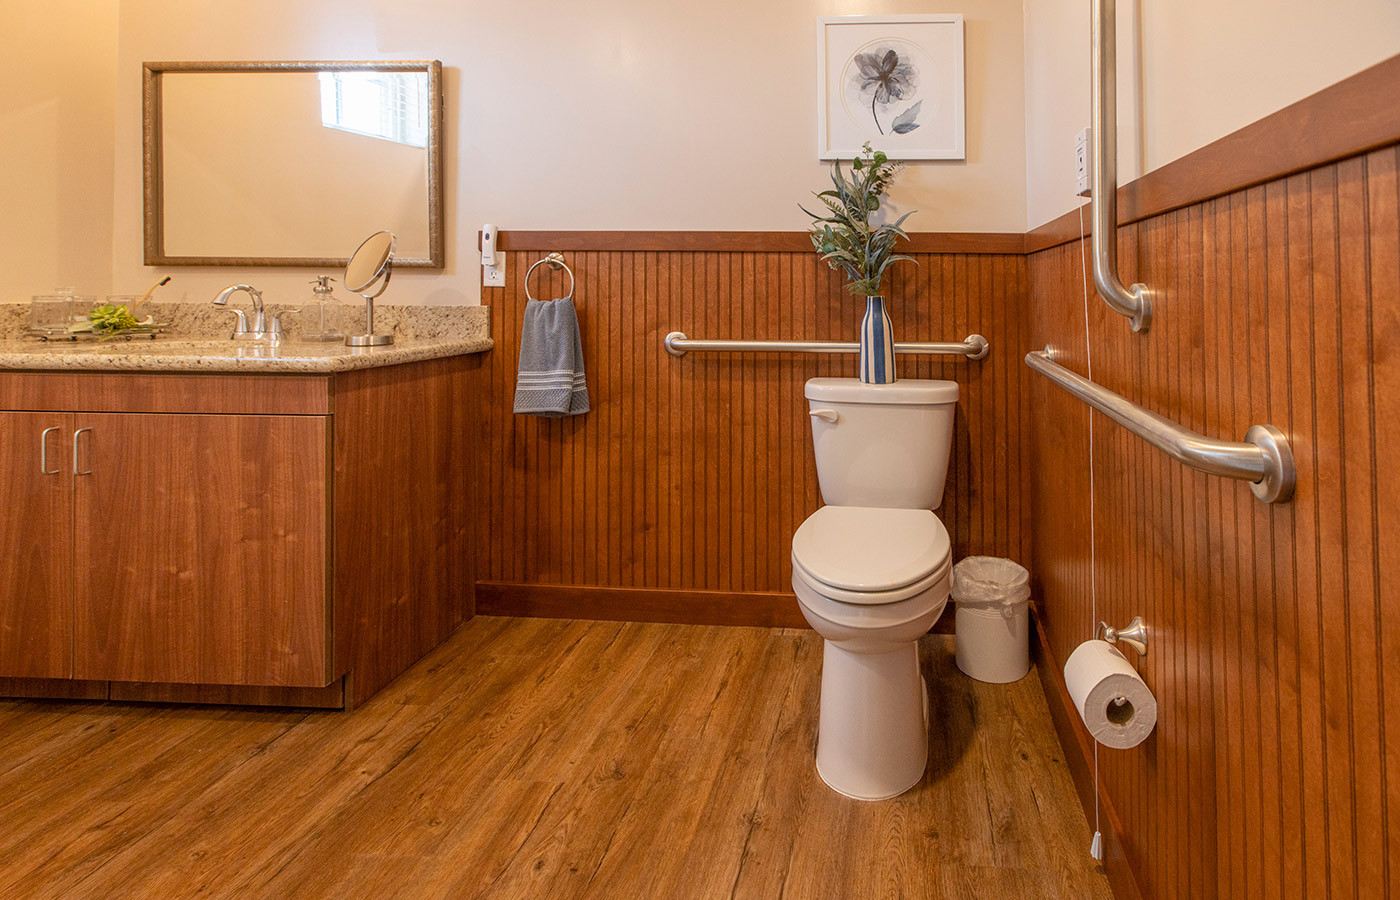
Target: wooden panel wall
{"x": 693, "y": 473}
{"x": 1275, "y": 767}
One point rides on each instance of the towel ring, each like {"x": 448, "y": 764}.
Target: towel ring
{"x": 556, "y": 261}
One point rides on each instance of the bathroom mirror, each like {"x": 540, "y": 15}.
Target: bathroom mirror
{"x": 289, "y": 163}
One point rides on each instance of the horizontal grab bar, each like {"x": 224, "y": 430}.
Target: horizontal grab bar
{"x": 974, "y": 347}
{"x": 1263, "y": 459}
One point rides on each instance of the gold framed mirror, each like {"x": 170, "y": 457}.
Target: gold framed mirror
{"x": 291, "y": 163}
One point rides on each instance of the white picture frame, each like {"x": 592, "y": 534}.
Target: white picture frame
{"x": 896, "y": 81}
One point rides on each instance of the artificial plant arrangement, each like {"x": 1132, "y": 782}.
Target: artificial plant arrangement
{"x": 845, "y": 237}
{"x": 848, "y": 242}
{"x": 113, "y": 320}
{"x": 110, "y": 321}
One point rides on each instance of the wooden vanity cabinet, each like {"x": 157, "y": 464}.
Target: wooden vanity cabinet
{"x": 200, "y": 549}
{"x": 36, "y": 521}
{"x": 231, "y": 538}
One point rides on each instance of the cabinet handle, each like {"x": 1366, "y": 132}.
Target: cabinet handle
{"x": 76, "y": 470}
{"x": 44, "y": 451}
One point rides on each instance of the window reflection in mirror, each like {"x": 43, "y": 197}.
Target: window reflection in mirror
{"x": 388, "y": 105}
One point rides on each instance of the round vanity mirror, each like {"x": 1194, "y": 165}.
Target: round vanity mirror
{"x": 372, "y": 263}
{"x": 372, "y": 260}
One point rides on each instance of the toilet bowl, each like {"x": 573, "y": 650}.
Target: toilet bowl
{"x": 872, "y": 570}
{"x": 871, "y": 581}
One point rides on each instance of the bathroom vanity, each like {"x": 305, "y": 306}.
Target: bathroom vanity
{"x": 216, "y": 525}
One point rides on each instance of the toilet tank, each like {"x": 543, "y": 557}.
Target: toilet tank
{"x": 882, "y": 444}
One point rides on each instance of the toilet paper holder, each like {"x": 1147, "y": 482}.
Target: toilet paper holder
{"x": 1135, "y": 635}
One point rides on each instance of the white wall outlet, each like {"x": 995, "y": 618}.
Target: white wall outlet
{"x": 493, "y": 264}
{"x": 495, "y": 276}
{"x": 1081, "y": 163}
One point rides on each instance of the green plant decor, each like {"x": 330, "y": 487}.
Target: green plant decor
{"x": 110, "y": 321}
{"x": 845, "y": 238}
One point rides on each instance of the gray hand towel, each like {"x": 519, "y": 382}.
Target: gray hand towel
{"x": 550, "y": 379}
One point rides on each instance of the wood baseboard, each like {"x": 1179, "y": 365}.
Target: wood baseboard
{"x": 573, "y": 601}
{"x": 1079, "y": 755}
{"x": 52, "y": 689}
{"x": 762, "y": 609}
{"x": 332, "y": 696}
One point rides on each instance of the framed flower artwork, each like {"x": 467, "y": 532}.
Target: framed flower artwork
{"x": 896, "y": 81}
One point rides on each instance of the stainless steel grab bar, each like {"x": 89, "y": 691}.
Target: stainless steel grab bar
{"x": 974, "y": 347}
{"x": 1263, "y": 459}
{"x": 1134, "y": 302}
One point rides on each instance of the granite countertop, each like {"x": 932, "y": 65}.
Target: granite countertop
{"x": 197, "y": 341}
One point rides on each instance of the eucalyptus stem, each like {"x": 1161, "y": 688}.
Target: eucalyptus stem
{"x": 845, "y": 237}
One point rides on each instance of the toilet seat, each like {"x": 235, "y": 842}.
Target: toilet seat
{"x": 871, "y": 555}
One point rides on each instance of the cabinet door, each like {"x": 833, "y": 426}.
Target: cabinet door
{"x": 201, "y": 549}
{"x": 36, "y": 520}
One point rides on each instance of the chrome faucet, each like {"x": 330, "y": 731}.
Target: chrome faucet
{"x": 243, "y": 330}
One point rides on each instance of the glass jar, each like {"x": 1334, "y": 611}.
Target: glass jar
{"x": 135, "y": 304}
{"x": 51, "y": 314}
{"x": 322, "y": 316}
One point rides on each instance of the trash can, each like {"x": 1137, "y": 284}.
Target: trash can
{"x": 993, "y": 621}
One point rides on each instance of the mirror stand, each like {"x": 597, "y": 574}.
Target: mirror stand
{"x": 372, "y": 264}
{"x": 369, "y": 338}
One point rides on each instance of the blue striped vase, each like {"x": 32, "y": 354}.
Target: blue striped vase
{"x": 876, "y": 344}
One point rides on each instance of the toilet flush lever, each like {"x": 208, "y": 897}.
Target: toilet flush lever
{"x": 826, "y": 415}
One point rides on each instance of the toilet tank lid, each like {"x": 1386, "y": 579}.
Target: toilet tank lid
{"x": 858, "y": 548}
{"x": 905, "y": 390}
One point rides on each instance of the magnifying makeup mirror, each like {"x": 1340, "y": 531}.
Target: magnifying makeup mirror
{"x": 371, "y": 266}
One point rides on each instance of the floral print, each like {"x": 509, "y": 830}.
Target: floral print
{"x": 886, "y": 78}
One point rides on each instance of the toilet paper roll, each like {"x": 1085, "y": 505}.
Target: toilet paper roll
{"x": 1115, "y": 704}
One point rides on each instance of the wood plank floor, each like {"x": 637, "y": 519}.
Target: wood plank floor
{"x": 541, "y": 758}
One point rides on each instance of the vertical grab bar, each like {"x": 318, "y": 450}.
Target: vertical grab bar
{"x": 1134, "y": 302}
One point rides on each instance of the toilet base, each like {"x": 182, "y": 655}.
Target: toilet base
{"x": 872, "y": 735}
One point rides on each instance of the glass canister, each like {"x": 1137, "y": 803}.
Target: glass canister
{"x": 322, "y": 317}
{"x": 50, "y": 313}
{"x": 135, "y": 304}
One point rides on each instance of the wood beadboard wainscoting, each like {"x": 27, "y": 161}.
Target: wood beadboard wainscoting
{"x": 675, "y": 498}
{"x": 1274, "y": 770}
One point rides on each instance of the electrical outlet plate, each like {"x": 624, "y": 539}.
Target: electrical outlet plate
{"x": 495, "y": 276}
{"x": 1081, "y": 163}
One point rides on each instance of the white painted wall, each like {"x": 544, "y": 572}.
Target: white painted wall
{"x": 1191, "y": 72}
{"x": 56, "y": 117}
{"x": 628, "y": 114}
{"x": 614, "y": 114}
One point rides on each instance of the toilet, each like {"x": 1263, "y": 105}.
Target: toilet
{"x": 872, "y": 570}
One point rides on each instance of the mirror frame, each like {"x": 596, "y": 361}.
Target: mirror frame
{"x": 153, "y": 185}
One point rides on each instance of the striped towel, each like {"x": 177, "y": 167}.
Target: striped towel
{"x": 550, "y": 380}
